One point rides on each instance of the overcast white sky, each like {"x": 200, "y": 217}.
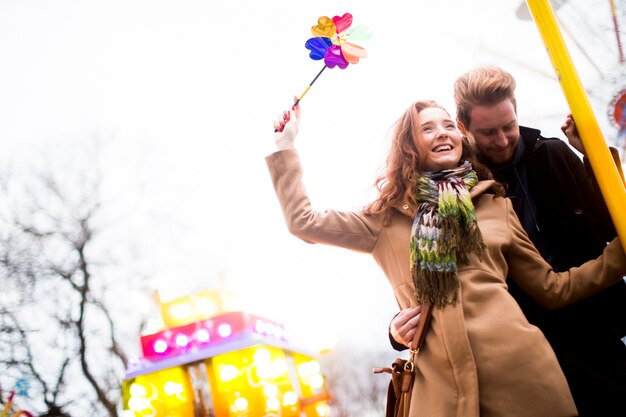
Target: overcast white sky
{"x": 183, "y": 93}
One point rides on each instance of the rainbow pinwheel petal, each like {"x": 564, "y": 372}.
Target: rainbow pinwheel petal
{"x": 359, "y": 33}
{"x": 342, "y": 23}
{"x": 318, "y": 47}
{"x": 330, "y": 41}
{"x": 334, "y": 57}
{"x": 352, "y": 53}
{"x": 325, "y": 28}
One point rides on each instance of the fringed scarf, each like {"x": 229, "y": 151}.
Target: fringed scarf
{"x": 444, "y": 232}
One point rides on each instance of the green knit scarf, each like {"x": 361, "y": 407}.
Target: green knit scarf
{"x": 444, "y": 231}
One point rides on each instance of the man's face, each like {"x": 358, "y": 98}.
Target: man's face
{"x": 495, "y": 131}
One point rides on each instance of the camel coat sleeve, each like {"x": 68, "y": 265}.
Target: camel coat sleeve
{"x": 551, "y": 289}
{"x": 347, "y": 229}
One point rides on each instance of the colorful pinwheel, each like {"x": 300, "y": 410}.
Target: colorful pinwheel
{"x": 332, "y": 42}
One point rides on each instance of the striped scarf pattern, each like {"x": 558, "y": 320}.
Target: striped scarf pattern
{"x": 444, "y": 232}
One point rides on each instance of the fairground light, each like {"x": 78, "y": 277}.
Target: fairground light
{"x": 208, "y": 361}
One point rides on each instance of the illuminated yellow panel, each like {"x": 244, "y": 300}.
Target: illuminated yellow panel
{"x": 309, "y": 373}
{"x": 254, "y": 382}
{"x": 161, "y": 394}
{"x": 314, "y": 395}
{"x": 195, "y": 307}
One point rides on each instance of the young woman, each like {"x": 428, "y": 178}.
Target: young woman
{"x": 444, "y": 235}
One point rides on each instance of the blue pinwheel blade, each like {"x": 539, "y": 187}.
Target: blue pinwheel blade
{"x": 318, "y": 47}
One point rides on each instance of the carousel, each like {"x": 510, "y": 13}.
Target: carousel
{"x": 207, "y": 361}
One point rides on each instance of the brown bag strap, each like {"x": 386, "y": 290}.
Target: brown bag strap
{"x": 416, "y": 344}
{"x": 422, "y": 326}
{"x": 403, "y": 371}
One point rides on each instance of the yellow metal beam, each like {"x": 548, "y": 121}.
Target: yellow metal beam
{"x": 597, "y": 151}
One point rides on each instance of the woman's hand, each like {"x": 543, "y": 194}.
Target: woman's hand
{"x": 287, "y": 126}
{"x": 569, "y": 129}
{"x": 404, "y": 325}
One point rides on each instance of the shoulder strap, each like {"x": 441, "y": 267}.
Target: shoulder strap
{"x": 422, "y": 326}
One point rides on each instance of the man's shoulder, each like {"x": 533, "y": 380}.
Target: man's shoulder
{"x": 535, "y": 134}
{"x": 533, "y": 139}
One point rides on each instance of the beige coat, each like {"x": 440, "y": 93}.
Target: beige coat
{"x": 481, "y": 357}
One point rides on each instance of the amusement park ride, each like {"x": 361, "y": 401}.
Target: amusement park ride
{"x": 211, "y": 362}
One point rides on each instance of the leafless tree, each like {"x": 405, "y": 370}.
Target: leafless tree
{"x": 57, "y": 325}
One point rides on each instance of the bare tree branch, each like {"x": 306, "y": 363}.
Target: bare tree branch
{"x": 80, "y": 325}
{"x": 49, "y": 395}
{"x": 46, "y": 229}
{"x": 115, "y": 348}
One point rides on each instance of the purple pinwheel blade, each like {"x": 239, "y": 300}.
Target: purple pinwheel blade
{"x": 334, "y": 57}
{"x": 318, "y": 47}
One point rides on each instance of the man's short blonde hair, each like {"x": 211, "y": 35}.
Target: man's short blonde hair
{"x": 482, "y": 86}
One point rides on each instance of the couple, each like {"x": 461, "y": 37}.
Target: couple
{"x": 444, "y": 234}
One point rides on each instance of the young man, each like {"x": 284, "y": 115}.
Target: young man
{"x": 557, "y": 201}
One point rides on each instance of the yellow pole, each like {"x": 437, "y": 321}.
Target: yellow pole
{"x": 606, "y": 172}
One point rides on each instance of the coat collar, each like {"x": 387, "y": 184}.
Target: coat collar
{"x": 478, "y": 189}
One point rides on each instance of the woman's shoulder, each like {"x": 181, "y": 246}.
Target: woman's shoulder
{"x": 483, "y": 187}
{"x": 489, "y": 197}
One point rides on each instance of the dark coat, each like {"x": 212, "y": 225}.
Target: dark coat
{"x": 558, "y": 204}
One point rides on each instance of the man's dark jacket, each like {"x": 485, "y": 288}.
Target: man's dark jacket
{"x": 558, "y": 203}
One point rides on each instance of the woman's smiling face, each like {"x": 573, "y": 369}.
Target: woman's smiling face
{"x": 439, "y": 142}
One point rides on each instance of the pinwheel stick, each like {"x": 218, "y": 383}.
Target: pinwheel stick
{"x": 295, "y": 103}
